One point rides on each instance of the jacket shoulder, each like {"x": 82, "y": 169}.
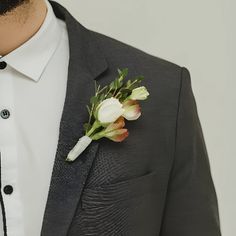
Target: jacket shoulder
{"x": 116, "y": 51}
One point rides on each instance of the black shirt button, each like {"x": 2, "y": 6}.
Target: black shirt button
{"x": 3, "y": 65}
{"x": 5, "y": 114}
{"x": 8, "y": 189}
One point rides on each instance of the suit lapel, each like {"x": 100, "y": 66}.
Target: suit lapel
{"x": 67, "y": 181}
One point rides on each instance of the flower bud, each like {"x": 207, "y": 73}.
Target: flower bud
{"x": 139, "y": 93}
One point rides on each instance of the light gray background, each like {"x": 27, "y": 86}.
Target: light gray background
{"x": 201, "y": 36}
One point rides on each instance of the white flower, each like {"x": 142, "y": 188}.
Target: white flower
{"x": 79, "y": 148}
{"x": 109, "y": 110}
{"x": 139, "y": 93}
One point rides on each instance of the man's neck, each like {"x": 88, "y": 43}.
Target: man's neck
{"x": 20, "y": 25}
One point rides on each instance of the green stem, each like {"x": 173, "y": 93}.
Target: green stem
{"x": 107, "y": 93}
{"x": 98, "y": 135}
{"x": 102, "y": 89}
{"x": 95, "y": 125}
{"x": 101, "y": 134}
{"x": 132, "y": 83}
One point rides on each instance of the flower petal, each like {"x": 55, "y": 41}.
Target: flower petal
{"x": 109, "y": 110}
{"x": 118, "y": 124}
{"x": 117, "y": 135}
{"x": 132, "y": 110}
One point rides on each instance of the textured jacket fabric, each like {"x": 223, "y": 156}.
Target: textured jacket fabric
{"x": 156, "y": 182}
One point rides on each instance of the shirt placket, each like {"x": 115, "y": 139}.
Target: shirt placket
{"x": 12, "y": 210}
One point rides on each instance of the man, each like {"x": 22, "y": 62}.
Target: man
{"x": 156, "y": 182}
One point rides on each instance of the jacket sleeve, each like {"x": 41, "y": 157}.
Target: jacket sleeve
{"x": 191, "y": 207}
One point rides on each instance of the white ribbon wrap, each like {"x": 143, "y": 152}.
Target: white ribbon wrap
{"x": 80, "y": 146}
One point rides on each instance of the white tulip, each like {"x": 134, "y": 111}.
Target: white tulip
{"x": 139, "y": 93}
{"x": 109, "y": 110}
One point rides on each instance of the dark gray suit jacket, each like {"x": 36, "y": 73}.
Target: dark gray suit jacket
{"x": 155, "y": 183}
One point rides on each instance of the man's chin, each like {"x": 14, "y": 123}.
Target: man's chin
{"x": 7, "y": 6}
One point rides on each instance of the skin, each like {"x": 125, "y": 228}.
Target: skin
{"x": 19, "y": 22}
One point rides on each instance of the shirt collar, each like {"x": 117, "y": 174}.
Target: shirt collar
{"x": 32, "y": 56}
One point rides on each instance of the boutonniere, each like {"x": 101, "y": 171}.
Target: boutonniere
{"x": 109, "y": 108}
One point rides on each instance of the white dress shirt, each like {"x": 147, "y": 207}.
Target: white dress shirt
{"x": 33, "y": 81}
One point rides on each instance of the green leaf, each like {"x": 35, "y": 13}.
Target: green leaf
{"x": 128, "y": 82}
{"x": 112, "y": 85}
{"x": 117, "y": 83}
{"x": 125, "y": 90}
{"x": 101, "y": 97}
{"x": 125, "y": 72}
{"x": 93, "y": 100}
{"x": 139, "y": 78}
{"x": 109, "y": 95}
{"x": 133, "y": 86}
{"x": 121, "y": 80}
{"x": 86, "y": 126}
